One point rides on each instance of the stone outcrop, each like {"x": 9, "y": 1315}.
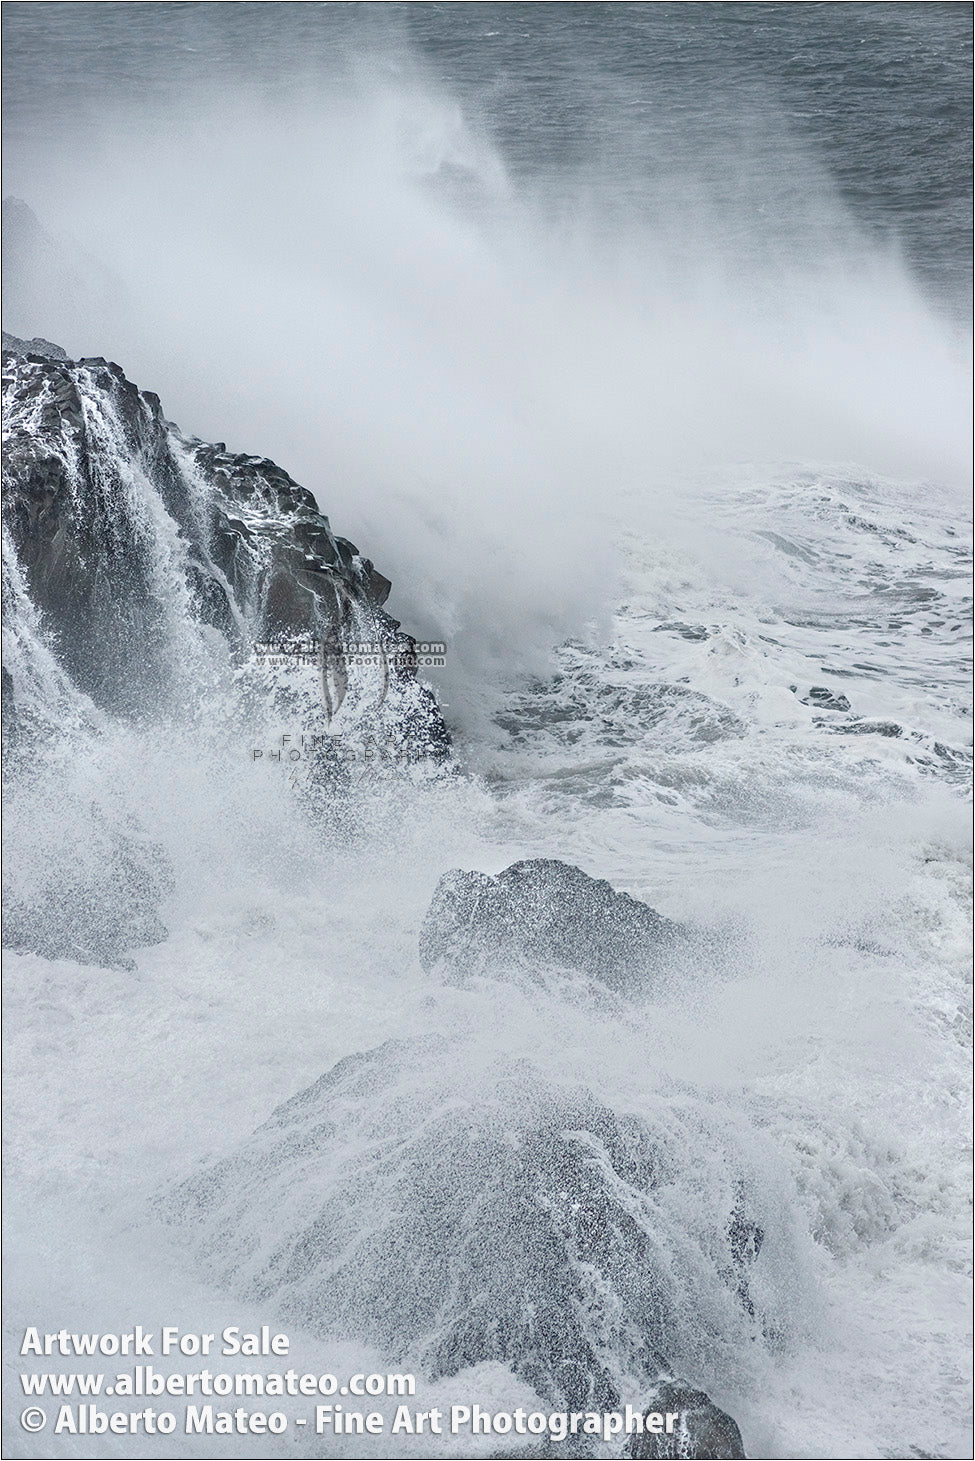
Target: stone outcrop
{"x": 703, "y": 1431}
{"x": 541, "y": 913}
{"x": 141, "y": 567}
{"x": 452, "y": 1212}
{"x": 123, "y": 528}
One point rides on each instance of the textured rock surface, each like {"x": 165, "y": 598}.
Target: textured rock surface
{"x": 100, "y": 899}
{"x": 543, "y": 912}
{"x": 107, "y": 505}
{"x": 703, "y": 1431}
{"x": 522, "y": 1222}
{"x": 140, "y": 567}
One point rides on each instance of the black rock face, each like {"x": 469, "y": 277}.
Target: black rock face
{"x": 452, "y": 1216}
{"x": 543, "y": 912}
{"x": 703, "y": 1431}
{"x": 106, "y": 504}
{"x": 824, "y": 699}
{"x": 139, "y": 564}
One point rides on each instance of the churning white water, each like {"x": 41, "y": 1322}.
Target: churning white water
{"x": 675, "y": 473}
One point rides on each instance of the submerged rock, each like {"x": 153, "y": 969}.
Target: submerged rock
{"x": 888, "y": 728}
{"x": 543, "y": 912}
{"x": 823, "y": 698}
{"x": 452, "y": 1209}
{"x": 94, "y": 902}
{"x": 703, "y": 1431}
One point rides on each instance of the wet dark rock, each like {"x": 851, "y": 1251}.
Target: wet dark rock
{"x": 824, "y": 699}
{"x": 92, "y": 467}
{"x": 543, "y": 912}
{"x": 9, "y": 718}
{"x": 37, "y": 346}
{"x": 451, "y": 1211}
{"x": 703, "y": 1431}
{"x": 130, "y": 552}
{"x": 696, "y": 633}
{"x": 887, "y": 728}
{"x": 745, "y": 1238}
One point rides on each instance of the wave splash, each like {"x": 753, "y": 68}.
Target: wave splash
{"x": 522, "y": 1182}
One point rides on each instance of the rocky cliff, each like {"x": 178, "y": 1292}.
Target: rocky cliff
{"x": 148, "y": 578}
{"x": 121, "y": 531}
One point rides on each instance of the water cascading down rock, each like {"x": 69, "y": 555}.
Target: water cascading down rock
{"x": 133, "y": 554}
{"x": 523, "y": 1222}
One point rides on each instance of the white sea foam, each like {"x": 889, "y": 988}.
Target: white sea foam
{"x": 481, "y": 382}
{"x": 536, "y": 430}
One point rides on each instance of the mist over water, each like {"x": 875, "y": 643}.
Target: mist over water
{"x": 631, "y": 345}
{"x": 329, "y": 257}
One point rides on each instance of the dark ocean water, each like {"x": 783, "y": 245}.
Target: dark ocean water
{"x": 629, "y": 341}
{"x": 879, "y": 94}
